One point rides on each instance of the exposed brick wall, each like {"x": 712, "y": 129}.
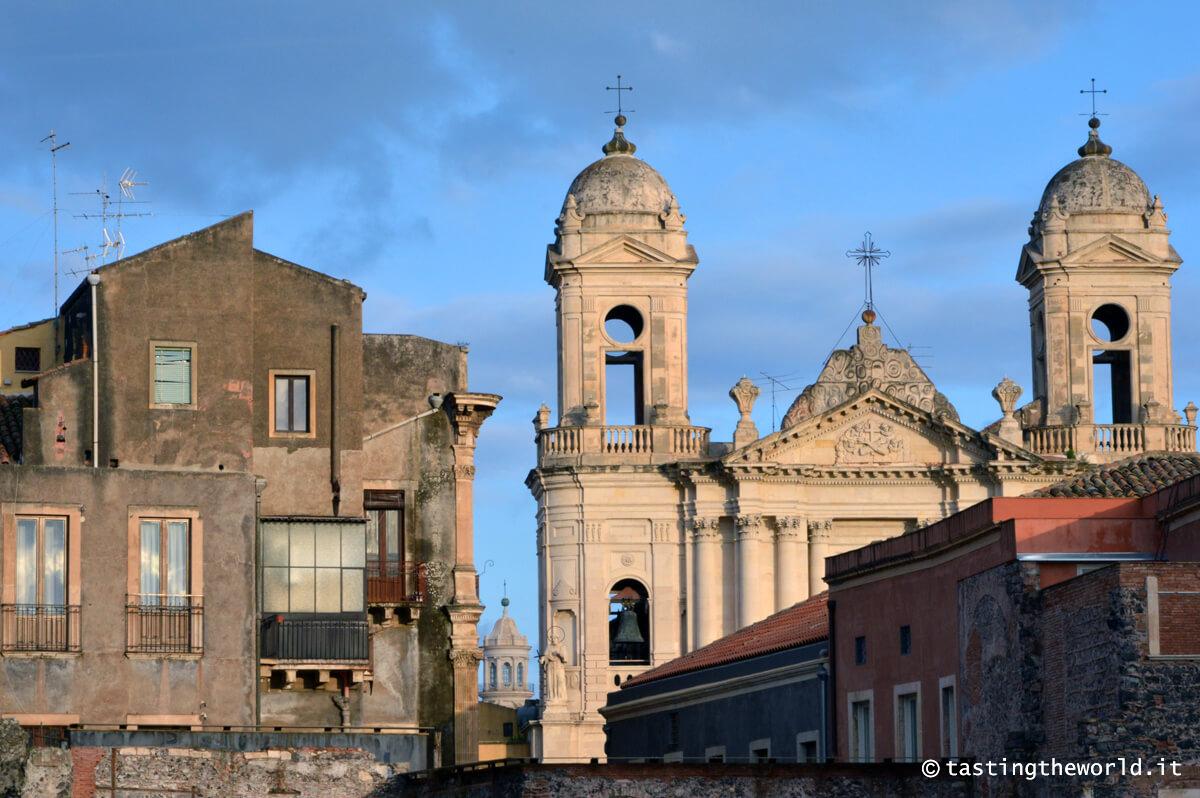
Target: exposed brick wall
{"x": 83, "y": 768}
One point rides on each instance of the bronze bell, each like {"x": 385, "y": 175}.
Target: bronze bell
{"x": 627, "y": 627}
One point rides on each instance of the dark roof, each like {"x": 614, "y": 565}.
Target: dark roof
{"x": 1130, "y": 478}
{"x": 10, "y": 426}
{"x": 798, "y": 625}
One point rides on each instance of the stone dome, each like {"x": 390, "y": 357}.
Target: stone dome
{"x": 1097, "y": 182}
{"x": 504, "y": 631}
{"x": 619, "y": 182}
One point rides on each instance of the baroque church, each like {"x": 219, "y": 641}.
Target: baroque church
{"x": 653, "y": 539}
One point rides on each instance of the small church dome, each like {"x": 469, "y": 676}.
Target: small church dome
{"x": 1097, "y": 182}
{"x": 619, "y": 182}
{"x": 504, "y": 631}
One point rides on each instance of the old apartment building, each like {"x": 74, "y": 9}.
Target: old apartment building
{"x": 225, "y": 505}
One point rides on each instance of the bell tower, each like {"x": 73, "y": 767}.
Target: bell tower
{"x": 611, "y": 547}
{"x": 620, "y": 264}
{"x": 1098, "y": 267}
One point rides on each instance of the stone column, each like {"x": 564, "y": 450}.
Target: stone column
{"x": 751, "y": 606}
{"x": 818, "y": 549}
{"x": 707, "y": 582}
{"x": 791, "y": 561}
{"x": 467, "y": 411}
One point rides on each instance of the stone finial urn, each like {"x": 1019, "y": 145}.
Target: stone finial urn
{"x": 1006, "y": 394}
{"x": 744, "y": 393}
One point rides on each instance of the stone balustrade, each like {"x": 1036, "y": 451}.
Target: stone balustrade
{"x": 1106, "y": 442}
{"x": 660, "y": 441}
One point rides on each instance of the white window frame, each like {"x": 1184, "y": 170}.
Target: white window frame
{"x": 859, "y": 697}
{"x": 947, "y": 751}
{"x": 813, "y": 736}
{"x": 904, "y": 691}
{"x": 155, "y": 345}
{"x": 764, "y": 742}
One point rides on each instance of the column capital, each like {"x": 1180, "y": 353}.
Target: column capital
{"x": 465, "y": 657}
{"x": 820, "y": 529}
{"x": 749, "y": 524}
{"x": 790, "y": 527}
{"x": 468, "y": 411}
{"x": 705, "y": 528}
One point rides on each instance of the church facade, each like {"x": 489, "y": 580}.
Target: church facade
{"x": 654, "y": 539}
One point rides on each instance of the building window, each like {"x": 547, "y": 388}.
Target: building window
{"x": 292, "y": 403}
{"x": 905, "y": 640}
{"x": 389, "y": 578}
{"x": 164, "y": 616}
{"x": 628, "y": 622}
{"x": 908, "y": 723}
{"x": 807, "y": 747}
{"x": 40, "y": 619}
{"x": 313, "y": 567}
{"x": 174, "y": 383}
{"x": 27, "y": 358}
{"x": 949, "y": 743}
{"x": 861, "y": 731}
{"x": 860, "y": 650}
{"x": 507, "y": 730}
{"x": 492, "y": 676}
{"x": 760, "y": 750}
{"x": 521, "y": 675}
{"x": 507, "y": 671}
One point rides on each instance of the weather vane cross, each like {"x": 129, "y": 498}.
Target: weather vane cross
{"x": 868, "y": 256}
{"x": 618, "y": 89}
{"x": 1094, "y": 91}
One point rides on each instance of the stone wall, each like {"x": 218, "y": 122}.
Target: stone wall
{"x": 658, "y": 780}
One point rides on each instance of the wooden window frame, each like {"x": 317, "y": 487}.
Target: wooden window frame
{"x": 311, "y": 375}
{"x": 156, "y": 344}
{"x": 9, "y": 513}
{"x": 140, "y": 513}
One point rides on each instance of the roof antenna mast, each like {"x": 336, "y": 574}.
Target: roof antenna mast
{"x": 54, "y": 148}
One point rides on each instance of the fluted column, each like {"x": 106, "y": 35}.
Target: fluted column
{"x": 751, "y": 606}
{"x": 791, "y": 561}
{"x": 707, "y": 582}
{"x": 818, "y": 549}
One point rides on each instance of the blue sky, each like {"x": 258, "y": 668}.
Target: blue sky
{"x": 422, "y": 151}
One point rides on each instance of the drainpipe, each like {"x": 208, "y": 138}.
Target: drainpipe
{"x": 335, "y": 459}
{"x": 94, "y": 280}
{"x": 831, "y": 749}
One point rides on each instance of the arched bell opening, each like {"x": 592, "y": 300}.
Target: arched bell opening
{"x": 629, "y": 623}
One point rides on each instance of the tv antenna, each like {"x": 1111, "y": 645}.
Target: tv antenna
{"x": 89, "y": 259}
{"x": 113, "y": 241}
{"x": 776, "y": 386}
{"x": 54, "y": 148}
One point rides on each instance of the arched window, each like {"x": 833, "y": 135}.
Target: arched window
{"x": 508, "y": 674}
{"x": 521, "y": 675}
{"x": 629, "y": 622}
{"x": 492, "y": 676}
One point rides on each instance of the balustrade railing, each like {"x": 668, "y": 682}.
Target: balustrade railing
{"x": 635, "y": 439}
{"x": 39, "y": 627}
{"x": 164, "y": 624}
{"x": 1050, "y": 440}
{"x": 623, "y": 439}
{"x": 1112, "y": 441}
{"x": 1118, "y": 438}
{"x": 1181, "y": 438}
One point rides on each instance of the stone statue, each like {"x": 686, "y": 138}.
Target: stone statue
{"x": 554, "y": 672}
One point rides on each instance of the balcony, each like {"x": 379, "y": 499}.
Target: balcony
{"x": 39, "y": 627}
{"x": 1108, "y": 442}
{"x": 639, "y": 442}
{"x": 309, "y": 639}
{"x": 161, "y": 624}
{"x": 394, "y": 583}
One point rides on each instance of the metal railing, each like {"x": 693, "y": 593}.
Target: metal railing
{"x": 39, "y": 627}
{"x": 306, "y": 639}
{"x": 164, "y": 624}
{"x": 395, "y": 582}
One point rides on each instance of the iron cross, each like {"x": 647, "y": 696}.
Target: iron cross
{"x": 868, "y": 256}
{"x": 1094, "y": 91}
{"x": 618, "y": 89}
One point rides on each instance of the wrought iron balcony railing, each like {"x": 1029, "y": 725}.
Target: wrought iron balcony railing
{"x": 163, "y": 624}
{"x": 390, "y": 582}
{"x": 39, "y": 627}
{"x": 306, "y": 638}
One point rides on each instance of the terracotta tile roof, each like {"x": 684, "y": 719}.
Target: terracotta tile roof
{"x": 10, "y": 426}
{"x": 1133, "y": 477}
{"x": 798, "y": 625}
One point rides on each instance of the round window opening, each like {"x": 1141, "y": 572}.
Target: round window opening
{"x": 623, "y": 324}
{"x": 1110, "y": 322}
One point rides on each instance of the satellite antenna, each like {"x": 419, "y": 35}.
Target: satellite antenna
{"x": 54, "y": 148}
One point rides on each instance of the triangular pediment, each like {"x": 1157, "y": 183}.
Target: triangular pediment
{"x": 624, "y": 249}
{"x": 872, "y": 430}
{"x": 1110, "y": 249}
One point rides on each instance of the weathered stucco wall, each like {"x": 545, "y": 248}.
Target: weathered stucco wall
{"x": 102, "y": 683}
